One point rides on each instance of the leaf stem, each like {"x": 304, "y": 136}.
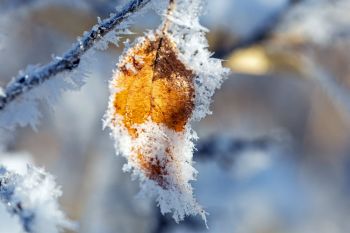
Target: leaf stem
{"x": 171, "y": 8}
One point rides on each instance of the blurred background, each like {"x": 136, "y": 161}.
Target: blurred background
{"x": 274, "y": 157}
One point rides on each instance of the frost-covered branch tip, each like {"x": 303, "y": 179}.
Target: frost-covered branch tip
{"x": 28, "y": 202}
{"x": 71, "y": 59}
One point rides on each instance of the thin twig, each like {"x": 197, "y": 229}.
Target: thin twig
{"x": 171, "y": 8}
{"x": 71, "y": 59}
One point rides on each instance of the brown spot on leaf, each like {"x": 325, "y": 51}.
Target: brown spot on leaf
{"x": 154, "y": 169}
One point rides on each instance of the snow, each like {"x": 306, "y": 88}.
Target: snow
{"x": 16, "y": 162}
{"x": 30, "y": 195}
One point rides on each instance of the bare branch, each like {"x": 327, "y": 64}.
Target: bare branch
{"x": 71, "y": 59}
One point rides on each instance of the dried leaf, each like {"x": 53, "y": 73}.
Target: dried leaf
{"x": 154, "y": 85}
{"x": 162, "y": 83}
{"x": 149, "y": 110}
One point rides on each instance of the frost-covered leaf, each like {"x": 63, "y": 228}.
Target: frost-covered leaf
{"x": 153, "y": 106}
{"x": 154, "y": 84}
{"x": 162, "y": 84}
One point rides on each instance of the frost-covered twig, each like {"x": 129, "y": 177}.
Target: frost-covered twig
{"x": 71, "y": 59}
{"x": 29, "y": 201}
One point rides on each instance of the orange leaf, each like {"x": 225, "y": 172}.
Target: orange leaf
{"x": 153, "y": 85}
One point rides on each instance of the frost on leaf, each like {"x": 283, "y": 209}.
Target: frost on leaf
{"x": 149, "y": 112}
{"x": 162, "y": 84}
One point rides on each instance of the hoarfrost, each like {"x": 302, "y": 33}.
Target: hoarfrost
{"x": 164, "y": 147}
{"x": 30, "y": 197}
{"x": 189, "y": 37}
{"x": 25, "y": 109}
{"x": 114, "y": 36}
